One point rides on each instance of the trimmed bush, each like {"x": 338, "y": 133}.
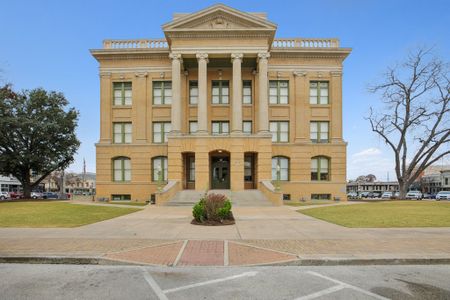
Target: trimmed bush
{"x": 199, "y": 212}
{"x": 213, "y": 209}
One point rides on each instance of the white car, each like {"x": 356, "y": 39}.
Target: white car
{"x": 414, "y": 195}
{"x": 36, "y": 195}
{"x": 4, "y": 195}
{"x": 443, "y": 195}
{"x": 387, "y": 195}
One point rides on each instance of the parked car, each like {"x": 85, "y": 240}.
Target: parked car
{"x": 443, "y": 195}
{"x": 414, "y": 195}
{"x": 36, "y": 195}
{"x": 4, "y": 195}
{"x": 16, "y": 195}
{"x": 50, "y": 195}
{"x": 387, "y": 195}
{"x": 352, "y": 195}
{"x": 364, "y": 194}
{"x": 396, "y": 195}
{"x": 428, "y": 196}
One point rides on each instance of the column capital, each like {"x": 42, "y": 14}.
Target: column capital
{"x": 238, "y": 56}
{"x": 105, "y": 74}
{"x": 141, "y": 74}
{"x": 202, "y": 56}
{"x": 263, "y": 55}
{"x": 336, "y": 73}
{"x": 299, "y": 73}
{"x": 175, "y": 56}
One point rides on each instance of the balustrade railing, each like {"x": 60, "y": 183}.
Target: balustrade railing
{"x": 136, "y": 44}
{"x": 305, "y": 43}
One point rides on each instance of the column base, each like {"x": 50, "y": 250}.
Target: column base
{"x": 201, "y": 133}
{"x": 237, "y": 133}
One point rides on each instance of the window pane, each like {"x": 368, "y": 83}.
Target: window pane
{"x": 224, "y": 99}
{"x": 215, "y": 99}
{"x": 117, "y": 164}
{"x": 284, "y": 137}
{"x": 117, "y": 175}
{"x": 283, "y": 91}
{"x": 215, "y": 127}
{"x": 168, "y": 92}
{"x": 118, "y": 138}
{"x": 273, "y": 83}
{"x": 273, "y": 91}
{"x": 127, "y": 128}
{"x": 215, "y": 91}
{"x": 324, "y": 164}
{"x": 157, "y": 137}
{"x": 157, "y": 100}
{"x": 273, "y": 100}
{"x": 284, "y": 126}
{"x": 193, "y": 127}
{"x": 225, "y": 128}
{"x": 274, "y": 162}
{"x": 247, "y": 127}
{"x": 128, "y": 138}
{"x": 274, "y": 174}
{"x": 127, "y": 164}
{"x": 168, "y": 100}
{"x": 117, "y": 128}
{"x": 314, "y": 164}
{"x": 284, "y": 99}
{"x": 284, "y": 174}
{"x": 284, "y": 162}
{"x": 157, "y": 92}
{"x": 127, "y": 175}
{"x": 284, "y": 84}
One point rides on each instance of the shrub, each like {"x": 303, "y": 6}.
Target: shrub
{"x": 225, "y": 211}
{"x": 213, "y": 203}
{"x": 198, "y": 211}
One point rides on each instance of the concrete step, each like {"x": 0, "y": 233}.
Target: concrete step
{"x": 240, "y": 198}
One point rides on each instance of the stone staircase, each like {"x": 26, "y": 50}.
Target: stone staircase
{"x": 241, "y": 198}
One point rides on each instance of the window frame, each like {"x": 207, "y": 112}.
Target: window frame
{"x": 278, "y": 132}
{"x": 122, "y": 133}
{"x": 318, "y": 97}
{"x": 250, "y": 87}
{"x": 278, "y": 95}
{"x": 163, "y": 132}
{"x": 124, "y": 86}
{"x": 251, "y": 126}
{"x": 164, "y": 163}
{"x": 163, "y": 92}
{"x": 122, "y": 197}
{"x": 220, "y": 127}
{"x": 191, "y": 82}
{"x": 319, "y": 168}
{"x": 319, "y": 132}
{"x": 278, "y": 172}
{"x": 122, "y": 169}
{"x": 221, "y": 86}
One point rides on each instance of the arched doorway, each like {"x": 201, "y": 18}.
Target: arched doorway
{"x": 220, "y": 169}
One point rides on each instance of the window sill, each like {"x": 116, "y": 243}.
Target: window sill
{"x": 121, "y": 106}
{"x": 319, "y": 105}
{"x": 220, "y": 104}
{"x": 279, "y": 105}
{"x": 161, "y": 105}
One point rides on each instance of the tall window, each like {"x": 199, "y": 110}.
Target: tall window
{"x": 280, "y": 131}
{"x": 161, "y": 131}
{"x": 247, "y": 127}
{"x": 247, "y": 92}
{"x": 278, "y": 92}
{"x": 318, "y": 92}
{"x": 191, "y": 175}
{"x": 162, "y": 92}
{"x": 220, "y": 127}
{"x": 122, "y": 133}
{"x": 122, "y": 169}
{"x": 122, "y": 93}
{"x": 220, "y": 92}
{"x": 280, "y": 168}
{"x": 193, "y": 92}
{"x": 193, "y": 126}
{"x": 320, "y": 168}
{"x": 159, "y": 168}
{"x": 319, "y": 132}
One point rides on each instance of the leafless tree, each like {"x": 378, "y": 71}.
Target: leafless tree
{"x": 415, "y": 119}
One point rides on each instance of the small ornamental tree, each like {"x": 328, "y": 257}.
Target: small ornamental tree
{"x": 37, "y": 135}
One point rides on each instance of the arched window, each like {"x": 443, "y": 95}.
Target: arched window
{"x": 121, "y": 169}
{"x": 159, "y": 168}
{"x": 320, "y": 168}
{"x": 280, "y": 168}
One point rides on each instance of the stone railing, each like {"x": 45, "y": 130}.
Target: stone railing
{"x": 136, "y": 44}
{"x": 305, "y": 43}
{"x": 267, "y": 188}
{"x": 168, "y": 192}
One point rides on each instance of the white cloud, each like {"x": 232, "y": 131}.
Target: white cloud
{"x": 370, "y": 161}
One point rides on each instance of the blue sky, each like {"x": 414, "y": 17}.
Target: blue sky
{"x": 45, "y": 44}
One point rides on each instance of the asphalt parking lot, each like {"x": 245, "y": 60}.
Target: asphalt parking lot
{"x": 22, "y": 281}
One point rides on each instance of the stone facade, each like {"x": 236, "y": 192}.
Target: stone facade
{"x": 216, "y": 57}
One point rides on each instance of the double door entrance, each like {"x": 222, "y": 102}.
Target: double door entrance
{"x": 220, "y": 172}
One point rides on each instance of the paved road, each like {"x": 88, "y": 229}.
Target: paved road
{"x": 134, "y": 282}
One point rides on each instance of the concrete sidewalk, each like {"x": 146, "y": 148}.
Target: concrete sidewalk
{"x": 261, "y": 235}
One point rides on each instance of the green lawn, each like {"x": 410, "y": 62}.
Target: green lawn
{"x": 308, "y": 203}
{"x": 385, "y": 214}
{"x": 56, "y": 214}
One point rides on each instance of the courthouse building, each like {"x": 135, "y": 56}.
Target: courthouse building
{"x": 220, "y": 103}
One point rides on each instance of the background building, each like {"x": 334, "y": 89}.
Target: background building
{"x": 220, "y": 103}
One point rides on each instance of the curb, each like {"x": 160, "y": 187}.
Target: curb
{"x": 299, "y": 262}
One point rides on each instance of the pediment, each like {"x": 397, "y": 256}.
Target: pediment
{"x": 219, "y": 17}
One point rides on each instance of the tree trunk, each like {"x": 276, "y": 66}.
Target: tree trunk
{"x": 402, "y": 190}
{"x": 26, "y": 186}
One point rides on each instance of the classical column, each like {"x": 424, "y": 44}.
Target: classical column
{"x": 236, "y": 125}
{"x": 202, "y": 107}
{"x": 106, "y": 99}
{"x": 336, "y": 106}
{"x": 301, "y": 104}
{"x": 263, "y": 112}
{"x": 139, "y": 109}
{"x": 176, "y": 93}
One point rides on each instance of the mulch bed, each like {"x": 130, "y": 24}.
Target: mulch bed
{"x": 229, "y": 221}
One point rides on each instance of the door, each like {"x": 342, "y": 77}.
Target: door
{"x": 249, "y": 171}
{"x": 220, "y": 173}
